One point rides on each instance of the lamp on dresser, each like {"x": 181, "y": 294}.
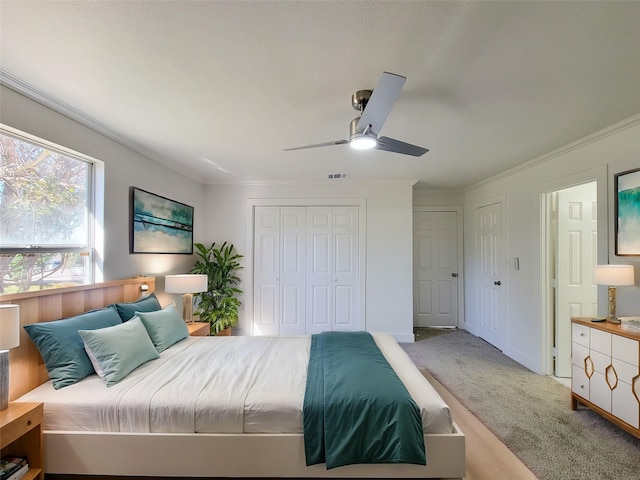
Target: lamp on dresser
{"x": 187, "y": 284}
{"x": 9, "y": 338}
{"x": 614, "y": 276}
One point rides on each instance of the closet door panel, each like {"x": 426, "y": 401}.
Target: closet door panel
{"x": 343, "y": 313}
{"x": 266, "y": 297}
{"x": 345, "y": 269}
{"x": 267, "y": 321}
{"x": 319, "y": 314}
{"x": 319, "y": 272}
{"x": 292, "y": 270}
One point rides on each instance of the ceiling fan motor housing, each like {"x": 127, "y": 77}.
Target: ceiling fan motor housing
{"x": 360, "y": 99}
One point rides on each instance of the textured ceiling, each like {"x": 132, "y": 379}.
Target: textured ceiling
{"x": 217, "y": 90}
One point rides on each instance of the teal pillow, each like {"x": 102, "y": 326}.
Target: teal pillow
{"x": 165, "y": 327}
{"x": 146, "y": 304}
{"x": 61, "y": 346}
{"x": 119, "y": 349}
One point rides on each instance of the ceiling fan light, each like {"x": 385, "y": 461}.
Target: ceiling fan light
{"x": 363, "y": 141}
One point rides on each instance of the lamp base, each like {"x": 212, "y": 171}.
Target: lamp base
{"x": 187, "y": 307}
{"x": 611, "y": 317}
{"x": 4, "y": 379}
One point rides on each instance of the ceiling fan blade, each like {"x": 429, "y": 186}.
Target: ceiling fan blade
{"x": 391, "y": 145}
{"x": 382, "y": 99}
{"x": 325, "y": 144}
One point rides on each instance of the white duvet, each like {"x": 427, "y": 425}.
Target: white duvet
{"x": 217, "y": 385}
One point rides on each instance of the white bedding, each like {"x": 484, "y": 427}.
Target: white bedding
{"x": 217, "y": 385}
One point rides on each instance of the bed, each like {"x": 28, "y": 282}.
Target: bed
{"x": 119, "y": 430}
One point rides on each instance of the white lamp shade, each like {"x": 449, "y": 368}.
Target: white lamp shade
{"x": 614, "y": 275}
{"x": 9, "y": 326}
{"x": 185, "y": 283}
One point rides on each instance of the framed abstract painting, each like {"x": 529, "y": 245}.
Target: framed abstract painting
{"x": 160, "y": 225}
{"x": 627, "y": 190}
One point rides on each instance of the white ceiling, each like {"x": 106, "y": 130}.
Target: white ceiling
{"x": 217, "y": 89}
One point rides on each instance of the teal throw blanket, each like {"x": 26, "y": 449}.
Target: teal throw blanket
{"x": 356, "y": 409}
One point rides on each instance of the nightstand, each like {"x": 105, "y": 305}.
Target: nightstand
{"x": 21, "y": 435}
{"x": 199, "y": 329}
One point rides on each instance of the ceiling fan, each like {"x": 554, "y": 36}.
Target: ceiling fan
{"x": 374, "y": 107}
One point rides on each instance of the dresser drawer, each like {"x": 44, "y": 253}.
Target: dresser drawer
{"x": 580, "y": 334}
{"x": 625, "y": 349}
{"x": 600, "y": 361}
{"x": 578, "y": 354}
{"x": 600, "y": 341}
{"x": 599, "y": 391}
{"x": 579, "y": 382}
{"x": 624, "y": 405}
{"x": 625, "y": 371}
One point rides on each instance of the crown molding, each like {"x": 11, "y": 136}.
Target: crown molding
{"x": 23, "y": 88}
{"x": 594, "y": 137}
{"x": 313, "y": 183}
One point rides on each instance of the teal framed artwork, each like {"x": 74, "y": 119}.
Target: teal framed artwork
{"x": 160, "y": 225}
{"x": 627, "y": 201}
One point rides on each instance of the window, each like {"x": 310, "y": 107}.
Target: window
{"x": 47, "y": 215}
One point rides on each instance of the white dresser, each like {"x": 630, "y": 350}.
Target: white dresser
{"x": 606, "y": 371}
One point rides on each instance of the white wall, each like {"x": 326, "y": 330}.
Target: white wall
{"x": 123, "y": 168}
{"x": 597, "y": 157}
{"x": 438, "y": 198}
{"x": 388, "y": 273}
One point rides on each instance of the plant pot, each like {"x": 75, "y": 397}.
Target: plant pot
{"x": 224, "y": 333}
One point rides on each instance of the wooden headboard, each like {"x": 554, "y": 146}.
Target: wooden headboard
{"x": 26, "y": 368}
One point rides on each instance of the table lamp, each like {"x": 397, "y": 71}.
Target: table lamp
{"x": 9, "y": 338}
{"x": 187, "y": 284}
{"x": 614, "y": 276}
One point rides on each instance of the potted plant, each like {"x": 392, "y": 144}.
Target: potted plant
{"x": 219, "y": 304}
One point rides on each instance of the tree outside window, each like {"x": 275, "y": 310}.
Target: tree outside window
{"x": 45, "y": 206}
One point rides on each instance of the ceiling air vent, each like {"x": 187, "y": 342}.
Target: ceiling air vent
{"x": 336, "y": 176}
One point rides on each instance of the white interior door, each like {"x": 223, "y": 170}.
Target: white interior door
{"x": 333, "y": 295}
{"x": 576, "y": 292}
{"x": 266, "y": 271}
{"x": 306, "y": 269}
{"x": 319, "y": 269}
{"x": 491, "y": 272}
{"x": 435, "y": 269}
{"x": 293, "y": 223}
{"x": 346, "y": 293}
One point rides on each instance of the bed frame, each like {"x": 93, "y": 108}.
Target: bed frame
{"x": 182, "y": 455}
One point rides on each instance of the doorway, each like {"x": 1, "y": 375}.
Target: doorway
{"x": 435, "y": 268}
{"x": 572, "y": 254}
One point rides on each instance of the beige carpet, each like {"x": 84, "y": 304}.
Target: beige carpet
{"x": 487, "y": 458}
{"x": 529, "y": 413}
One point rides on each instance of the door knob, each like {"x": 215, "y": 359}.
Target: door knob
{"x": 497, "y": 283}
{"x": 454, "y": 275}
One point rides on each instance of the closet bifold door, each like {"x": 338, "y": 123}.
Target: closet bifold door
{"x": 279, "y": 270}
{"x": 333, "y": 296}
{"x": 306, "y": 269}
{"x": 293, "y": 223}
